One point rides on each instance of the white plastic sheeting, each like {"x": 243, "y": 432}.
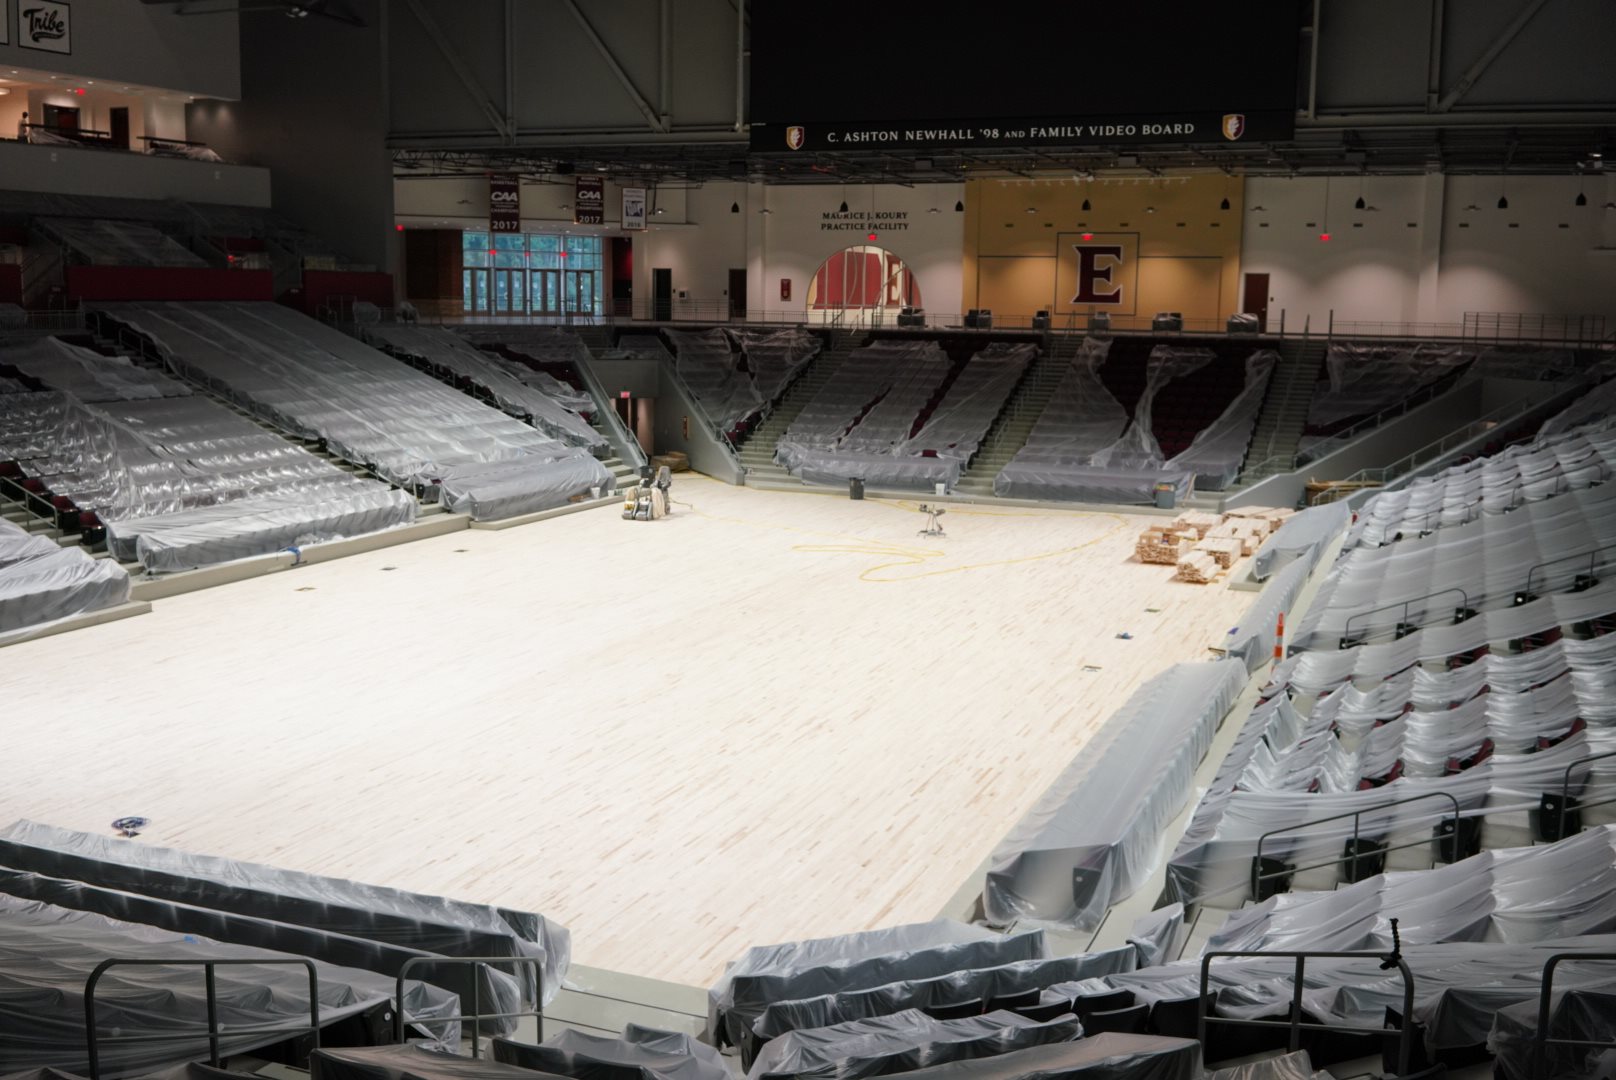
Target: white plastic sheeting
{"x": 1481, "y": 564}
{"x": 1297, "y": 1066}
{"x": 1303, "y": 536}
{"x": 516, "y": 388}
{"x": 776, "y": 357}
{"x": 47, "y": 954}
{"x": 1365, "y": 379}
{"x": 658, "y": 1055}
{"x": 1524, "y": 362}
{"x": 501, "y": 489}
{"x": 412, "y": 920}
{"x": 1107, "y": 1056}
{"x": 1586, "y": 1015}
{"x": 369, "y": 408}
{"x": 42, "y": 582}
{"x": 413, "y": 1061}
{"x": 1597, "y": 406}
{"x": 903, "y": 1042}
{"x": 121, "y": 243}
{"x": 1138, "y": 448}
{"x": 808, "y": 968}
{"x": 1092, "y": 838}
{"x": 543, "y": 346}
{"x": 1550, "y": 465}
{"x": 88, "y": 375}
{"x": 1219, "y": 449}
{"x": 865, "y": 381}
{"x": 957, "y": 426}
{"x": 704, "y": 361}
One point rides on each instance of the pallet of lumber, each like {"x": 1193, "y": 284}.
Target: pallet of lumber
{"x": 1162, "y": 546}
{"x": 1274, "y": 515}
{"x": 1251, "y": 533}
{"x": 1225, "y": 550}
{"x": 1197, "y": 522}
{"x": 1198, "y": 568}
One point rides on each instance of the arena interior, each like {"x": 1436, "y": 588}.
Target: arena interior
{"x": 691, "y": 539}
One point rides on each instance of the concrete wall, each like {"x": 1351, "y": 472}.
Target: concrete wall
{"x": 146, "y": 44}
{"x": 1432, "y": 248}
{"x": 67, "y": 170}
{"x": 314, "y": 112}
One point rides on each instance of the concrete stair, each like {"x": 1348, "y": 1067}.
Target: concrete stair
{"x": 757, "y": 452}
{"x": 1009, "y": 432}
{"x": 1284, "y": 412}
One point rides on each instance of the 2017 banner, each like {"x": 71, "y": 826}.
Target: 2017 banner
{"x": 504, "y": 204}
{"x": 633, "y": 208}
{"x": 589, "y": 201}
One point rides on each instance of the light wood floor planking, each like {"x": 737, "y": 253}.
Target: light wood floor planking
{"x": 773, "y": 717}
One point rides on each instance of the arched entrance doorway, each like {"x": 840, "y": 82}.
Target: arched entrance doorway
{"x": 861, "y": 285}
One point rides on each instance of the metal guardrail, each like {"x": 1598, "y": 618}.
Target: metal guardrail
{"x": 1565, "y": 790}
{"x": 1540, "y": 1038}
{"x": 625, "y": 441}
{"x": 1579, "y": 583}
{"x": 476, "y": 1016}
{"x": 93, "y": 1038}
{"x": 1405, "y": 1042}
{"x": 1460, "y": 614}
{"x": 1355, "y": 815}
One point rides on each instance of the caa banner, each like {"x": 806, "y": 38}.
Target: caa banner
{"x": 633, "y": 208}
{"x": 504, "y": 204}
{"x": 44, "y": 25}
{"x": 589, "y": 201}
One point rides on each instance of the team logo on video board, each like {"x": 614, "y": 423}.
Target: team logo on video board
{"x": 1234, "y": 125}
{"x": 795, "y": 136}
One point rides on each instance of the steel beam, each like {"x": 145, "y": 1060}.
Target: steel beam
{"x": 616, "y": 69}
{"x": 1433, "y": 61}
{"x": 462, "y": 72}
{"x": 1484, "y": 61}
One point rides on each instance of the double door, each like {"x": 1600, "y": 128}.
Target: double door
{"x": 514, "y": 291}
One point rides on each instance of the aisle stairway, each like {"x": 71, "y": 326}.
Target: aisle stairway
{"x": 1009, "y": 432}
{"x": 1284, "y": 412}
{"x": 757, "y": 452}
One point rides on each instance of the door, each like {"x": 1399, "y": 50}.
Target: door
{"x": 737, "y": 294}
{"x": 546, "y": 292}
{"x": 580, "y": 292}
{"x": 509, "y": 292}
{"x": 120, "y": 127}
{"x": 1255, "y": 299}
{"x": 62, "y": 119}
{"x": 474, "y": 290}
{"x": 662, "y": 294}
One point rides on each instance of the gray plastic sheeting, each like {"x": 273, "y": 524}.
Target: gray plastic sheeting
{"x": 47, "y": 954}
{"x": 411, "y": 920}
{"x": 798, "y": 969}
{"x": 1219, "y": 449}
{"x": 1107, "y": 1056}
{"x": 903, "y": 1042}
{"x": 1583, "y": 1015}
{"x": 514, "y": 387}
{"x": 653, "y": 1055}
{"x": 42, "y": 583}
{"x": 1092, "y": 838}
{"x": 704, "y": 361}
{"x": 775, "y": 358}
{"x": 88, "y": 375}
{"x": 868, "y": 404}
{"x": 956, "y": 987}
{"x": 411, "y": 1062}
{"x": 1297, "y": 1066}
{"x": 371, "y": 409}
{"x": 1304, "y": 536}
{"x": 1365, "y": 379}
{"x": 502, "y": 489}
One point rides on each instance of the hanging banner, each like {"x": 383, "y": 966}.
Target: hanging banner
{"x": 633, "y": 208}
{"x": 504, "y": 204}
{"x": 589, "y": 201}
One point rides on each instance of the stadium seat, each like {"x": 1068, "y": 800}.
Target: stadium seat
{"x": 1129, "y": 1020}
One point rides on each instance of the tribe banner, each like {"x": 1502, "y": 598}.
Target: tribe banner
{"x": 1196, "y": 127}
{"x": 633, "y": 208}
{"x": 504, "y": 204}
{"x": 44, "y": 25}
{"x": 589, "y": 201}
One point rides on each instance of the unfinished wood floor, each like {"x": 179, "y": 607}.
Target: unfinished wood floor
{"x": 771, "y": 717}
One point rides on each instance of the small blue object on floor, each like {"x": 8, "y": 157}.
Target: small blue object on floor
{"x": 1125, "y": 636}
{"x": 130, "y": 827}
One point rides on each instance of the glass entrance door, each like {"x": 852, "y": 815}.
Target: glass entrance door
{"x": 546, "y": 292}
{"x": 474, "y": 288}
{"x": 580, "y": 295}
{"x": 509, "y": 292}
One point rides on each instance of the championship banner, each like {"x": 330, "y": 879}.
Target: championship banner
{"x": 504, "y": 204}
{"x": 589, "y": 201}
{"x": 633, "y": 208}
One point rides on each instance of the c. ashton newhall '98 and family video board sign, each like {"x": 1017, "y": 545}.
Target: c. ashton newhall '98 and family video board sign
{"x": 1190, "y": 128}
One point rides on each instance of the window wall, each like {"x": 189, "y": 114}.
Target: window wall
{"x": 532, "y": 274}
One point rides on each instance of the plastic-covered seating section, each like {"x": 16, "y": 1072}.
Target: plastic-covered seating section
{"x": 639, "y": 1053}
{"x": 1360, "y": 380}
{"x": 524, "y": 392}
{"x": 47, "y": 954}
{"x": 42, "y": 582}
{"x": 120, "y": 243}
{"x": 319, "y": 383}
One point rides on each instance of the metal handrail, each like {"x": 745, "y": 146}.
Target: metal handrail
{"x": 1346, "y": 628}
{"x": 1591, "y": 554}
{"x": 93, "y": 1040}
{"x": 1565, "y": 789}
{"x": 1355, "y": 815}
{"x": 1540, "y": 1038}
{"x": 1294, "y": 1023}
{"x": 626, "y": 437}
{"x": 476, "y": 1016}
{"x": 700, "y": 407}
